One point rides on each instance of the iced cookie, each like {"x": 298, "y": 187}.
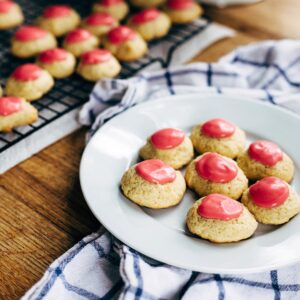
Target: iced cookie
{"x": 59, "y": 19}
{"x": 146, "y": 4}
{"x": 219, "y": 135}
{"x": 213, "y": 173}
{"x": 31, "y": 40}
{"x": 10, "y": 14}
{"x": 79, "y": 41}
{"x": 125, "y": 44}
{"x": 16, "y": 112}
{"x": 150, "y": 24}
{"x": 183, "y": 11}
{"x": 264, "y": 158}
{"x": 99, "y": 23}
{"x": 117, "y": 8}
{"x": 58, "y": 62}
{"x": 97, "y": 64}
{"x": 153, "y": 184}
{"x": 170, "y": 145}
{"x": 220, "y": 219}
{"x": 272, "y": 201}
{"x": 29, "y": 81}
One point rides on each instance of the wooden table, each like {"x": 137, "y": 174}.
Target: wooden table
{"x": 42, "y": 210}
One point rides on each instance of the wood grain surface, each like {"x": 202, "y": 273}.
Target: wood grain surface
{"x": 42, "y": 210}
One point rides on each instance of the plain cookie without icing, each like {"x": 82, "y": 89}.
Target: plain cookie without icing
{"x": 147, "y": 4}
{"x": 117, "y": 8}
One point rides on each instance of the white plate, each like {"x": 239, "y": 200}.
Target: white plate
{"x": 162, "y": 234}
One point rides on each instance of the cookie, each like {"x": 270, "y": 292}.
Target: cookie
{"x": 153, "y": 184}
{"x": 97, "y": 64}
{"x": 125, "y": 44}
{"x": 29, "y": 81}
{"x": 272, "y": 201}
{"x": 183, "y": 11}
{"x": 170, "y": 145}
{"x": 220, "y": 219}
{"x": 146, "y": 4}
{"x": 31, "y": 40}
{"x": 11, "y": 14}
{"x": 219, "y": 135}
{"x": 58, "y": 19}
{"x": 58, "y": 62}
{"x": 117, "y": 8}
{"x": 150, "y": 24}
{"x": 264, "y": 158}
{"x": 14, "y": 112}
{"x": 99, "y": 23}
{"x": 79, "y": 41}
{"x": 213, "y": 173}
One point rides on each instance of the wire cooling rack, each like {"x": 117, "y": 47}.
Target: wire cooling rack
{"x": 71, "y": 93}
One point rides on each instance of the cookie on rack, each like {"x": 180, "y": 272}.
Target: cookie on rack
{"x": 170, "y": 145}
{"x": 79, "y": 41}
{"x": 125, "y": 44}
{"x": 29, "y": 81}
{"x": 147, "y": 4}
{"x": 272, "y": 201}
{"x": 220, "y": 219}
{"x": 58, "y": 19}
{"x": 264, "y": 158}
{"x": 150, "y": 23}
{"x": 219, "y": 135}
{"x": 97, "y": 64}
{"x": 11, "y": 14}
{"x": 153, "y": 184}
{"x": 58, "y": 62}
{"x": 213, "y": 173}
{"x": 31, "y": 40}
{"x": 15, "y": 112}
{"x": 117, "y": 8}
{"x": 99, "y": 23}
{"x": 183, "y": 11}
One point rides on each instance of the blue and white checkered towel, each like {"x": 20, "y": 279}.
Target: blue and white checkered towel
{"x": 100, "y": 267}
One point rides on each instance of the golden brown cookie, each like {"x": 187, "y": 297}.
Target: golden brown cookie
{"x": 11, "y": 14}
{"x": 117, "y": 8}
{"x": 147, "y": 4}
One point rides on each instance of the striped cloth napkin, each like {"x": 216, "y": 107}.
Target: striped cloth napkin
{"x": 99, "y": 266}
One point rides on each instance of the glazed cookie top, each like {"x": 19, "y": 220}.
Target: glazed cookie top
{"x": 265, "y": 152}
{"x": 78, "y": 35}
{"x": 121, "y": 34}
{"x": 269, "y": 192}
{"x": 30, "y": 33}
{"x": 155, "y": 171}
{"x": 96, "y": 56}
{"x": 57, "y": 11}
{"x": 100, "y": 18}
{"x": 215, "y": 168}
{"x": 10, "y": 105}
{"x": 167, "y": 138}
{"x": 110, "y": 2}
{"x": 53, "y": 55}
{"x": 220, "y": 207}
{"x": 27, "y": 72}
{"x": 218, "y": 128}
{"x": 5, "y": 6}
{"x": 180, "y": 4}
{"x": 145, "y": 16}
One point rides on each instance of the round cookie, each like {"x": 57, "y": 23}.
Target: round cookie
{"x": 16, "y": 112}
{"x": 79, "y": 41}
{"x": 59, "y": 19}
{"x": 264, "y": 158}
{"x": 150, "y": 24}
{"x": 97, "y": 64}
{"x": 272, "y": 201}
{"x": 170, "y": 145}
{"x": 125, "y": 44}
{"x": 58, "y": 62}
{"x": 117, "y": 8}
{"x": 11, "y": 14}
{"x": 153, "y": 184}
{"x": 29, "y": 81}
{"x": 31, "y": 40}
{"x": 146, "y": 4}
{"x": 220, "y": 219}
{"x": 183, "y": 11}
{"x": 219, "y": 135}
{"x": 99, "y": 23}
{"x": 213, "y": 173}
